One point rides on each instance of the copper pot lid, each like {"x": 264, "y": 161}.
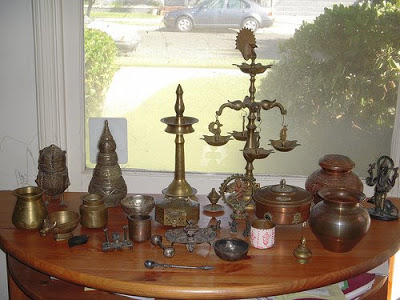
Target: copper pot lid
{"x": 282, "y": 195}
{"x": 336, "y": 163}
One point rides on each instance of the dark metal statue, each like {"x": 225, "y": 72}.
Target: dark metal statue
{"x": 384, "y": 180}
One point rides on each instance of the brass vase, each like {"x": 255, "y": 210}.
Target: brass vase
{"x": 339, "y": 221}
{"x": 29, "y": 211}
{"x": 107, "y": 177}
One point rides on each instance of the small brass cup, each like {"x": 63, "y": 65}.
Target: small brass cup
{"x": 139, "y": 227}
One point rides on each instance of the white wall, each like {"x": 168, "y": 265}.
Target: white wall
{"x": 18, "y": 122}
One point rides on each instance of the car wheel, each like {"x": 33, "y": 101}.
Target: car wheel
{"x": 184, "y": 24}
{"x": 251, "y": 24}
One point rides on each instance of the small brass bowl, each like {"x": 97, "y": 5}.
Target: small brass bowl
{"x": 61, "y": 223}
{"x": 231, "y": 249}
{"x": 137, "y": 205}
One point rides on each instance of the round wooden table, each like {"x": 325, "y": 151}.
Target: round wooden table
{"x": 262, "y": 273}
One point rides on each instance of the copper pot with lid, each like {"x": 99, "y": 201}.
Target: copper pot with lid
{"x": 283, "y": 203}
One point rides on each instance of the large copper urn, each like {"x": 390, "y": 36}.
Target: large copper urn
{"x": 335, "y": 171}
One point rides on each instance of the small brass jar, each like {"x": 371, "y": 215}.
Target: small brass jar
{"x": 93, "y": 210}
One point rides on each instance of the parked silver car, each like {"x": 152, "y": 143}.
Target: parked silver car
{"x": 221, "y": 13}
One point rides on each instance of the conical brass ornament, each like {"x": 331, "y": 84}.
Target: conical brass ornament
{"x": 107, "y": 177}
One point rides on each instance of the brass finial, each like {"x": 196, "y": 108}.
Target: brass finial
{"x": 107, "y": 143}
{"x": 302, "y": 253}
{"x": 179, "y": 105}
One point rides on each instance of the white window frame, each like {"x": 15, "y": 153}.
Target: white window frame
{"x": 58, "y": 28}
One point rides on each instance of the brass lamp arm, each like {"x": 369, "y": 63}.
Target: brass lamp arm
{"x": 268, "y": 104}
{"x": 236, "y": 105}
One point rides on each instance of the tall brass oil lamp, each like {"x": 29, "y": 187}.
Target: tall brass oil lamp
{"x": 246, "y": 43}
{"x": 179, "y": 125}
{"x": 179, "y": 205}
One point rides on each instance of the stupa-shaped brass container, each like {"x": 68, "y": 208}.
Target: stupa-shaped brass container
{"x": 179, "y": 125}
{"x": 107, "y": 177}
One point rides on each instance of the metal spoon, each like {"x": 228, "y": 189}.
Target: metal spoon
{"x": 149, "y": 264}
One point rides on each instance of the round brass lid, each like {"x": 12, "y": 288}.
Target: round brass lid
{"x": 282, "y": 195}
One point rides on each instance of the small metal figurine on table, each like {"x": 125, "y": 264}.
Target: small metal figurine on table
{"x": 384, "y": 180}
{"x": 250, "y": 134}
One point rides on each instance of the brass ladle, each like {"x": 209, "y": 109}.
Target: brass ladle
{"x": 149, "y": 264}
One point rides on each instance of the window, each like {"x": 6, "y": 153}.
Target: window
{"x": 143, "y": 91}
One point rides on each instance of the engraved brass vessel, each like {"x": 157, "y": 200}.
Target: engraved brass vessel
{"x": 53, "y": 172}
{"x": 107, "y": 177}
{"x": 29, "y": 211}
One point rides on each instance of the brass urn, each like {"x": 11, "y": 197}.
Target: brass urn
{"x": 53, "y": 172}
{"x": 107, "y": 177}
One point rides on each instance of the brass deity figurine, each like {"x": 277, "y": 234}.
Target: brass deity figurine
{"x": 246, "y": 44}
{"x": 384, "y": 180}
{"x": 107, "y": 177}
{"x": 53, "y": 173}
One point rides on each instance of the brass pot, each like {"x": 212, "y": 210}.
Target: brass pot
{"x": 339, "y": 221}
{"x": 93, "y": 211}
{"x": 282, "y": 203}
{"x": 29, "y": 211}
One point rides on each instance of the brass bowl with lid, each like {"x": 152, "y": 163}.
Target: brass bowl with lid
{"x": 283, "y": 203}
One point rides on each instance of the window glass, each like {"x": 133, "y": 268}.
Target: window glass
{"x": 233, "y": 4}
{"x": 335, "y": 75}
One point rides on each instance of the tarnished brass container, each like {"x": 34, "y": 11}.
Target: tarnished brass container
{"x": 93, "y": 211}
{"x": 29, "y": 211}
{"x": 107, "y": 177}
{"x": 283, "y": 204}
{"x": 339, "y": 221}
{"x": 177, "y": 211}
{"x": 53, "y": 172}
